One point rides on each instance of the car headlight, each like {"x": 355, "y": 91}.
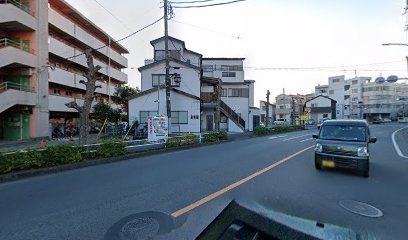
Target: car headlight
{"x": 319, "y": 148}
{"x": 362, "y": 152}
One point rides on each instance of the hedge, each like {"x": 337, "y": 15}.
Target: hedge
{"x": 261, "y": 131}
{"x": 57, "y": 155}
{"x": 215, "y": 137}
{"x": 187, "y": 139}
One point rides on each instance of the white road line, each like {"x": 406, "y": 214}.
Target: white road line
{"x": 396, "y": 144}
{"x": 277, "y": 137}
{"x": 287, "y": 139}
{"x": 307, "y": 139}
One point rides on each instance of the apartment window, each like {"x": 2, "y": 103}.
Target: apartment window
{"x": 179, "y": 117}
{"x": 161, "y": 54}
{"x": 385, "y": 88}
{"x": 161, "y": 78}
{"x": 323, "y": 91}
{"x": 208, "y": 68}
{"x": 354, "y": 82}
{"x": 325, "y": 115}
{"x": 79, "y": 96}
{"x": 144, "y": 115}
{"x": 263, "y": 108}
{"x": 281, "y": 116}
{"x": 282, "y": 107}
{"x": 331, "y": 92}
{"x": 223, "y": 119}
{"x": 336, "y": 80}
{"x": 224, "y": 92}
{"x": 238, "y": 92}
{"x": 346, "y": 97}
{"x": 231, "y": 68}
{"x": 354, "y": 90}
{"x": 57, "y": 92}
{"x": 346, "y": 87}
{"x": 313, "y": 105}
{"x": 228, "y": 74}
{"x": 68, "y": 93}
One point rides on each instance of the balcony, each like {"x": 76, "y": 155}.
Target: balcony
{"x": 65, "y": 25}
{"x": 16, "y": 18}
{"x": 63, "y": 50}
{"x": 14, "y": 54}
{"x": 57, "y": 103}
{"x": 12, "y": 94}
{"x": 69, "y": 79}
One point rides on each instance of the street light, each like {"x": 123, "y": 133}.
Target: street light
{"x": 395, "y": 44}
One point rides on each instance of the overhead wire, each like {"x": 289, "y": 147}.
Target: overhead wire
{"x": 209, "y": 5}
{"x": 200, "y": 1}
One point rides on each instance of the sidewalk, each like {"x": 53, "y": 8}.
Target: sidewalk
{"x": 11, "y": 145}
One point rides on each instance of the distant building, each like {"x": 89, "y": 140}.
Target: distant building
{"x": 321, "y": 107}
{"x": 322, "y": 90}
{"x": 290, "y": 107}
{"x": 361, "y": 97}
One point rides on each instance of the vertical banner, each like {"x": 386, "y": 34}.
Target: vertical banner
{"x": 158, "y": 129}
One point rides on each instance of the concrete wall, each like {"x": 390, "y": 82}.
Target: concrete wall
{"x": 190, "y": 78}
{"x": 179, "y": 103}
{"x": 218, "y": 73}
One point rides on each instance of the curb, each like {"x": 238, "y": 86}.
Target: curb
{"x": 14, "y": 176}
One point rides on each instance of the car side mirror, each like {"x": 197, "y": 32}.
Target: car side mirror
{"x": 372, "y": 140}
{"x": 315, "y": 136}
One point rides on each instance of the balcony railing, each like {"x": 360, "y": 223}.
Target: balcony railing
{"x": 6, "y": 42}
{"x": 4, "y": 86}
{"x": 20, "y": 5}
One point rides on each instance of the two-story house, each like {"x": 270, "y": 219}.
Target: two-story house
{"x": 201, "y": 100}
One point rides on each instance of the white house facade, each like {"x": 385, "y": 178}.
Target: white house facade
{"x": 201, "y": 100}
{"x": 321, "y": 107}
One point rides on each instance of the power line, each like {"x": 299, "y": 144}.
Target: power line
{"x": 210, "y": 5}
{"x": 126, "y": 37}
{"x": 202, "y": 1}
{"x": 206, "y": 29}
{"x": 113, "y": 15}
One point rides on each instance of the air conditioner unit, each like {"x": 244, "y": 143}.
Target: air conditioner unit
{"x": 27, "y": 72}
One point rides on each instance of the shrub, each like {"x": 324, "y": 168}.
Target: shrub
{"x": 215, "y": 137}
{"x": 190, "y": 139}
{"x": 62, "y": 154}
{"x": 173, "y": 142}
{"x": 259, "y": 131}
{"x": 20, "y": 160}
{"x": 111, "y": 148}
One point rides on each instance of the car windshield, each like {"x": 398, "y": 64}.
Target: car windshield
{"x": 343, "y": 133}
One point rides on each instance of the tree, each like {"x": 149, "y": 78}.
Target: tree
{"x": 122, "y": 94}
{"x": 104, "y": 111}
{"x": 91, "y": 86}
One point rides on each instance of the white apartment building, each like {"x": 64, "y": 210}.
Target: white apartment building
{"x": 361, "y": 97}
{"x": 194, "y": 98}
{"x": 38, "y": 71}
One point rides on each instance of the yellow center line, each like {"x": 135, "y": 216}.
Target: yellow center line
{"x": 235, "y": 185}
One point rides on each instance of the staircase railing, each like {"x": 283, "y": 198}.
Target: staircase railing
{"x": 232, "y": 114}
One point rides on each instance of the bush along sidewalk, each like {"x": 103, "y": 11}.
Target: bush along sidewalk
{"x": 262, "y": 131}
{"x": 55, "y": 155}
{"x": 187, "y": 139}
{"x": 215, "y": 137}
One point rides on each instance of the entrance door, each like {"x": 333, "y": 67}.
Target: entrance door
{"x": 256, "y": 121}
{"x": 210, "y": 122}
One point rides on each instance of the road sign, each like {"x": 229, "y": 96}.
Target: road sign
{"x": 304, "y": 118}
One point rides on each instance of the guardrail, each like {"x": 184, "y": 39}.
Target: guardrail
{"x": 19, "y": 5}
{"x": 4, "y": 86}
{"x": 6, "y": 42}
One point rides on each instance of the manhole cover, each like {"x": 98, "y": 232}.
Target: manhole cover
{"x": 140, "y": 226}
{"x": 361, "y": 208}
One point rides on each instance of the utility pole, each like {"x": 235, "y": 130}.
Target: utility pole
{"x": 267, "y": 108}
{"x": 166, "y": 49}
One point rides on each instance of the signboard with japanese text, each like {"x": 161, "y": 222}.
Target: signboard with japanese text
{"x": 158, "y": 129}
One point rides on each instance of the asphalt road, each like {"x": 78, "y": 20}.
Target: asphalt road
{"x": 86, "y": 203}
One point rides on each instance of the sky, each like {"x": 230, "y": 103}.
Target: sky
{"x": 274, "y": 36}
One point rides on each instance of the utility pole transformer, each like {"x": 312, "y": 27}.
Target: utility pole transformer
{"x": 166, "y": 49}
{"x": 268, "y": 94}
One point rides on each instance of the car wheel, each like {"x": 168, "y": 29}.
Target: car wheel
{"x": 318, "y": 166}
{"x": 365, "y": 173}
